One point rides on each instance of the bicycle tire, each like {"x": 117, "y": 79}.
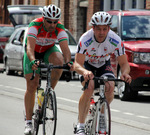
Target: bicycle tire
{"x": 107, "y": 115}
{"x": 50, "y": 114}
{"x": 36, "y": 123}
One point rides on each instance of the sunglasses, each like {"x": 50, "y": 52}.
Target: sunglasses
{"x": 50, "y": 22}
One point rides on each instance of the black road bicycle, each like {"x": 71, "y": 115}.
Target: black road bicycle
{"x": 92, "y": 124}
{"x": 47, "y": 113}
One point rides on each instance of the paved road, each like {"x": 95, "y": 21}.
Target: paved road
{"x": 127, "y": 117}
{"x": 12, "y": 119}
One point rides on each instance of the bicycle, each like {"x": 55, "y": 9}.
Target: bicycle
{"x": 47, "y": 113}
{"x": 92, "y": 124}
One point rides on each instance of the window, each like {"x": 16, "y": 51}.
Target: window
{"x": 101, "y": 5}
{"x": 21, "y": 37}
{"x": 17, "y": 36}
{"x": 133, "y": 3}
{"x": 114, "y": 24}
{"x": 135, "y": 27}
{"x": 144, "y": 4}
{"x": 6, "y": 31}
{"x": 122, "y": 4}
{"x": 112, "y": 4}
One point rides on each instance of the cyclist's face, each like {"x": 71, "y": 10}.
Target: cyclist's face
{"x": 50, "y": 24}
{"x": 100, "y": 32}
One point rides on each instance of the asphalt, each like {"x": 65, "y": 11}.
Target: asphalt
{"x": 126, "y": 122}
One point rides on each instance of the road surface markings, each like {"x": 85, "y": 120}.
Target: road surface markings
{"x": 114, "y": 110}
{"x": 73, "y": 101}
{"x": 69, "y": 100}
{"x": 127, "y": 113}
{"x": 144, "y": 117}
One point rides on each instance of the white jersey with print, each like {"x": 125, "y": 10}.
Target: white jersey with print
{"x": 97, "y": 53}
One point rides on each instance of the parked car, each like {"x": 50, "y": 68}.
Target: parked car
{"x": 133, "y": 26}
{"x": 14, "y": 50}
{"x": 5, "y": 32}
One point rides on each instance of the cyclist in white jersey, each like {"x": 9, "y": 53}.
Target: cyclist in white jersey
{"x": 93, "y": 59}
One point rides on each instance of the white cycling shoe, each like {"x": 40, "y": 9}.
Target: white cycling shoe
{"x": 28, "y": 129}
{"x": 80, "y": 131}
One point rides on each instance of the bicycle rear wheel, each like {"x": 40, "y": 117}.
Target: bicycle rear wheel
{"x": 107, "y": 115}
{"x": 50, "y": 114}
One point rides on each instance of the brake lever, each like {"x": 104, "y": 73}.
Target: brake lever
{"x": 86, "y": 85}
{"x": 33, "y": 75}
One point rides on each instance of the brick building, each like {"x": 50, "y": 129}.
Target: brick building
{"x": 76, "y": 14}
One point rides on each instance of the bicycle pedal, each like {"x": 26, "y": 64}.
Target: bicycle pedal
{"x": 75, "y": 128}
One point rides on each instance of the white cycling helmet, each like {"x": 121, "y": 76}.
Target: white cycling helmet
{"x": 52, "y": 12}
{"x": 100, "y": 18}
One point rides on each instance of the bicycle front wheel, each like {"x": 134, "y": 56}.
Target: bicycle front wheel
{"x": 107, "y": 119}
{"x": 36, "y": 122}
{"x": 50, "y": 114}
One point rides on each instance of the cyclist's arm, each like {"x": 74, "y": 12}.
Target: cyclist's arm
{"x": 65, "y": 50}
{"x": 30, "y": 48}
{"x": 125, "y": 68}
{"x": 78, "y": 66}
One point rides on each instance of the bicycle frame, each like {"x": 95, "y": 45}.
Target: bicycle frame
{"x": 48, "y": 88}
{"x": 41, "y": 116}
{"x": 99, "y": 104}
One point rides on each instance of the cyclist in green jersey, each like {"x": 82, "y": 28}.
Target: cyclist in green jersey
{"x": 40, "y": 44}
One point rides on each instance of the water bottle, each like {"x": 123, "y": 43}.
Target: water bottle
{"x": 40, "y": 96}
{"x": 91, "y": 109}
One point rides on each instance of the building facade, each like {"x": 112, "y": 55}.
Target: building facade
{"x": 76, "y": 14}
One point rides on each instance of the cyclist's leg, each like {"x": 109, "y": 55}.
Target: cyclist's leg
{"x": 84, "y": 102}
{"x": 109, "y": 91}
{"x": 106, "y": 70}
{"x": 53, "y": 55}
{"x": 31, "y": 88}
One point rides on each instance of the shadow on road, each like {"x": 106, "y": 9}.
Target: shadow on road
{"x": 143, "y": 97}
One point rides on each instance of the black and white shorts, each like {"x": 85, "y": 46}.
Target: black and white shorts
{"x": 105, "y": 70}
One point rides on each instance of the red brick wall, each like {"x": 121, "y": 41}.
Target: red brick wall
{"x": 62, "y": 6}
{"x": 71, "y": 16}
{"x": 68, "y": 8}
{"x": 66, "y": 14}
{"x": 94, "y": 6}
{"x": 90, "y": 12}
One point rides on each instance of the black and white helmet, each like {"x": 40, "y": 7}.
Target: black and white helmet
{"x": 52, "y": 12}
{"x": 100, "y": 18}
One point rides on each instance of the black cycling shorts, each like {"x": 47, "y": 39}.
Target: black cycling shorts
{"x": 105, "y": 70}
